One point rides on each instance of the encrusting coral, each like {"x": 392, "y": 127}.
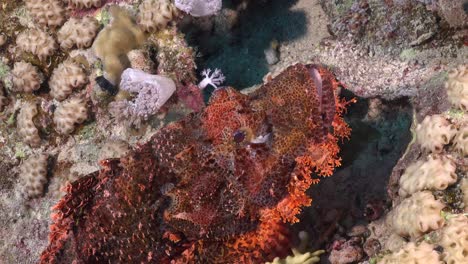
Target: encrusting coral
{"x": 69, "y": 113}
{"x": 46, "y": 12}
{"x": 434, "y": 132}
{"x": 65, "y": 78}
{"x": 436, "y": 173}
{"x": 25, "y": 124}
{"x": 181, "y": 198}
{"x": 25, "y": 77}
{"x": 114, "y": 149}
{"x": 457, "y": 87}
{"x": 81, "y": 4}
{"x": 37, "y": 42}
{"x": 155, "y": 14}
{"x": 416, "y": 215}
{"x": 33, "y": 175}
{"x": 412, "y": 253}
{"x": 460, "y": 141}
{"x": 454, "y": 240}
{"x": 79, "y": 32}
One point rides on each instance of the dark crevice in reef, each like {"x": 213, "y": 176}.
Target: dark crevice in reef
{"x": 376, "y": 144}
{"x": 239, "y": 52}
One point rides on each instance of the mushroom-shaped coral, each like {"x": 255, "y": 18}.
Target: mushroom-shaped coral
{"x": 454, "y": 240}
{"x": 457, "y": 87}
{"x": 33, "y": 175}
{"x": 68, "y": 113}
{"x": 66, "y": 77}
{"x": 434, "y": 132}
{"x": 79, "y": 32}
{"x": 152, "y": 92}
{"x": 25, "y": 77}
{"x": 82, "y": 4}
{"x": 25, "y": 124}
{"x": 412, "y": 253}
{"x": 46, "y": 12}
{"x": 437, "y": 173}
{"x": 198, "y": 8}
{"x": 155, "y": 14}
{"x": 37, "y": 42}
{"x": 416, "y": 215}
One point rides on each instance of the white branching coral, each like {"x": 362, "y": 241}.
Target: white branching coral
{"x": 152, "y": 92}
{"x": 33, "y": 175}
{"x": 454, "y": 240}
{"x": 37, "y": 42}
{"x": 25, "y": 125}
{"x": 457, "y": 87}
{"x": 412, "y": 253}
{"x": 155, "y": 14}
{"x": 214, "y": 79}
{"x": 82, "y": 4}
{"x": 434, "y": 132}
{"x": 79, "y": 32}
{"x": 436, "y": 173}
{"x": 198, "y": 8}
{"x": 25, "y": 77}
{"x": 416, "y": 215}
{"x": 65, "y": 78}
{"x": 46, "y": 12}
{"x": 69, "y": 113}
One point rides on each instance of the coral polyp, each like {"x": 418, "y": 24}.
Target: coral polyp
{"x": 195, "y": 194}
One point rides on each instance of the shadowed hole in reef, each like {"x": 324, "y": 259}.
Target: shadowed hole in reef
{"x": 375, "y": 146}
{"x": 239, "y": 52}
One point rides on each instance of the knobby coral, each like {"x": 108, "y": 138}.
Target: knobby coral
{"x": 183, "y": 198}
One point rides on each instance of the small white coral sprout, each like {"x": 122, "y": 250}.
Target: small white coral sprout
{"x": 214, "y": 79}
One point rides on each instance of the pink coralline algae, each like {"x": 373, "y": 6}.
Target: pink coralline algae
{"x": 204, "y": 189}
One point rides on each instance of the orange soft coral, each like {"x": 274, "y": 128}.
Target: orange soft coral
{"x": 220, "y": 186}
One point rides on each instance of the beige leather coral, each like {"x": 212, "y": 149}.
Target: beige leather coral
{"x": 81, "y": 4}
{"x": 79, "y": 32}
{"x": 46, "y": 12}
{"x": 457, "y": 87}
{"x": 65, "y": 78}
{"x": 155, "y": 14}
{"x": 416, "y": 215}
{"x": 454, "y": 240}
{"x": 412, "y": 253}
{"x": 69, "y": 113}
{"x": 25, "y": 124}
{"x": 434, "y": 132}
{"x": 435, "y": 173}
{"x": 33, "y": 175}
{"x": 37, "y": 42}
{"x": 25, "y": 77}
{"x": 460, "y": 141}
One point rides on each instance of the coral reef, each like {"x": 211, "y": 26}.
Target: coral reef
{"x": 81, "y": 4}
{"x": 36, "y": 42}
{"x": 46, "y": 12}
{"x": 198, "y": 8}
{"x": 3, "y": 98}
{"x": 25, "y": 77}
{"x": 183, "y": 198}
{"x": 69, "y": 113}
{"x": 464, "y": 188}
{"x": 33, "y": 175}
{"x": 416, "y": 215}
{"x": 460, "y": 142}
{"x": 434, "y": 133}
{"x": 79, "y": 32}
{"x": 68, "y": 76}
{"x": 155, "y": 14}
{"x": 435, "y": 173}
{"x": 26, "y": 128}
{"x": 114, "y": 149}
{"x": 412, "y": 253}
